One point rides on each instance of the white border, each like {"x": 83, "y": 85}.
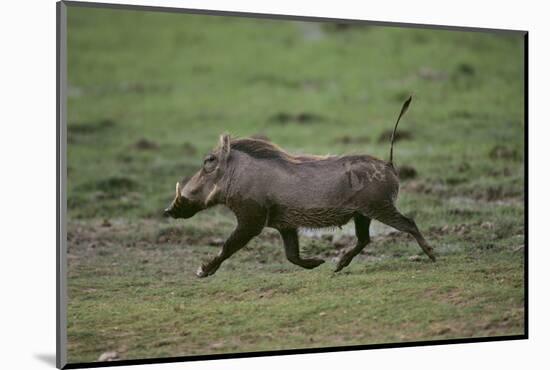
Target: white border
{"x": 28, "y": 182}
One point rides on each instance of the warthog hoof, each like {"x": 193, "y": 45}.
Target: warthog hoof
{"x": 343, "y": 262}
{"x": 200, "y": 272}
{"x": 204, "y": 271}
{"x": 308, "y": 263}
{"x": 314, "y": 262}
{"x": 429, "y": 252}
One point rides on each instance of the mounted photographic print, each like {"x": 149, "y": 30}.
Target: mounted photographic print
{"x": 235, "y": 185}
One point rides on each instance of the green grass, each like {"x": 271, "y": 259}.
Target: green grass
{"x": 149, "y": 93}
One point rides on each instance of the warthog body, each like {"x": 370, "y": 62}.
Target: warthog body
{"x": 266, "y": 186}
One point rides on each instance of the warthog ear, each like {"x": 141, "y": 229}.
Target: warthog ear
{"x": 225, "y": 148}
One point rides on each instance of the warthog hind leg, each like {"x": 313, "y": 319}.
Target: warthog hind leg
{"x": 362, "y": 224}
{"x": 292, "y": 250}
{"x": 392, "y": 217}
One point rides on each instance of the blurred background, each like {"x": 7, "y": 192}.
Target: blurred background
{"x": 149, "y": 94}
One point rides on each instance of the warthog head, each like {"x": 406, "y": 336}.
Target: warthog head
{"x": 202, "y": 190}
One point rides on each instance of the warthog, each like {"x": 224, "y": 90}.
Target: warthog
{"x": 266, "y": 186}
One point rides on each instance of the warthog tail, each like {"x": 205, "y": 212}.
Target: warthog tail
{"x": 403, "y": 111}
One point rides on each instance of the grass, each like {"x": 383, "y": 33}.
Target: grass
{"x": 150, "y": 92}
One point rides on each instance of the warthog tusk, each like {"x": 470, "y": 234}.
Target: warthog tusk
{"x": 177, "y": 190}
{"x": 212, "y": 194}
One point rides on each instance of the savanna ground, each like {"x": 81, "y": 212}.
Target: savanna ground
{"x": 149, "y": 93}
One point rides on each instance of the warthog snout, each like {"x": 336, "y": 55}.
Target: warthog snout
{"x": 181, "y": 207}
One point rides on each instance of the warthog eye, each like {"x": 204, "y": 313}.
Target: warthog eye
{"x": 209, "y": 163}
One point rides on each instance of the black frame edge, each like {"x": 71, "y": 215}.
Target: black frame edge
{"x": 289, "y": 352}
{"x": 526, "y": 182}
{"x": 58, "y": 363}
{"x": 61, "y": 303}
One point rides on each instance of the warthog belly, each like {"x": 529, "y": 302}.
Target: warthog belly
{"x": 288, "y": 217}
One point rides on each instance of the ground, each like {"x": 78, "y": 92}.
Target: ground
{"x": 149, "y": 93}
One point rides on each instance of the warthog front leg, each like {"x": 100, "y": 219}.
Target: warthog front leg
{"x": 362, "y": 224}
{"x": 292, "y": 250}
{"x": 247, "y": 229}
